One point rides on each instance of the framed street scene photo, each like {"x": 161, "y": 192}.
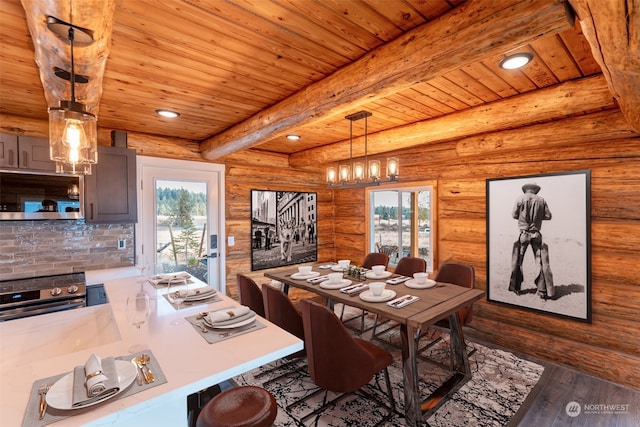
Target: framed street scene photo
{"x": 283, "y": 228}
{"x": 539, "y": 243}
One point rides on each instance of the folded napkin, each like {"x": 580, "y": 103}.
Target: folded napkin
{"x": 227, "y": 314}
{"x": 200, "y": 293}
{"x": 96, "y": 380}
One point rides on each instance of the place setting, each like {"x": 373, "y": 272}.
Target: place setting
{"x": 100, "y": 380}
{"x": 305, "y": 272}
{"x": 162, "y": 280}
{"x": 377, "y": 292}
{"x": 335, "y": 281}
{"x": 378, "y": 272}
{"x": 420, "y": 281}
{"x": 218, "y": 325}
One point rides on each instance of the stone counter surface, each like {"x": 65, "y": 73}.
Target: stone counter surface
{"x": 42, "y": 346}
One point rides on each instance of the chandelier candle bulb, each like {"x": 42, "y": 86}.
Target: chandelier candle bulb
{"x": 393, "y": 164}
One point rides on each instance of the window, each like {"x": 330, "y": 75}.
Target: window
{"x": 401, "y": 222}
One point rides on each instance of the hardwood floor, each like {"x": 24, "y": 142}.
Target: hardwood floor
{"x": 592, "y": 402}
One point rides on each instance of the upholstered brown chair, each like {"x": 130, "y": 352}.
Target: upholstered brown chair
{"x": 462, "y": 275}
{"x": 339, "y": 362}
{"x": 250, "y": 294}
{"x": 375, "y": 258}
{"x": 409, "y": 265}
{"x": 280, "y": 310}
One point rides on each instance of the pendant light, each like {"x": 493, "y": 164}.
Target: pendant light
{"x": 362, "y": 172}
{"x": 73, "y": 135}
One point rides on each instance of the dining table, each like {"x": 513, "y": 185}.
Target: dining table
{"x": 441, "y": 301}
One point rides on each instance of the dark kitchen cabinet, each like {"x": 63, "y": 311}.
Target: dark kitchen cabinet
{"x": 25, "y": 152}
{"x": 110, "y": 190}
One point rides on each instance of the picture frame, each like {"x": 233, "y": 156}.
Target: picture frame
{"x": 283, "y": 228}
{"x": 539, "y": 243}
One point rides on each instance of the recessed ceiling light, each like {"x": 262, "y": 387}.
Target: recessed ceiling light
{"x": 168, "y": 113}
{"x": 516, "y": 61}
{"x": 293, "y": 137}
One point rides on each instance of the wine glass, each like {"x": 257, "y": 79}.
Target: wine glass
{"x": 138, "y": 311}
{"x": 177, "y": 292}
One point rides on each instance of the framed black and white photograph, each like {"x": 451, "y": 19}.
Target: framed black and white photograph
{"x": 539, "y": 243}
{"x": 283, "y": 228}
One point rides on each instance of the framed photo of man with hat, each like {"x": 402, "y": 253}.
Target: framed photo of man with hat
{"x": 539, "y": 243}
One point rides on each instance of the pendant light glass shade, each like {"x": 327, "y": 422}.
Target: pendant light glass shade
{"x": 374, "y": 170}
{"x": 73, "y": 141}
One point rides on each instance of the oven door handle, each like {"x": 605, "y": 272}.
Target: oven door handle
{"x": 33, "y": 310}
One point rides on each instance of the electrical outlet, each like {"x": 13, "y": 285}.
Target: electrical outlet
{"x": 231, "y": 240}
{"x": 122, "y": 244}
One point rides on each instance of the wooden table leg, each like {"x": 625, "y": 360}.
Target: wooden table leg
{"x": 412, "y": 407}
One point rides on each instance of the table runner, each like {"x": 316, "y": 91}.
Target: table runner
{"x": 52, "y": 415}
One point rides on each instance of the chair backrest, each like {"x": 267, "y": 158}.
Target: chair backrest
{"x": 409, "y": 265}
{"x": 279, "y": 310}
{"x": 336, "y": 361}
{"x": 375, "y": 258}
{"x": 250, "y": 294}
{"x": 462, "y": 275}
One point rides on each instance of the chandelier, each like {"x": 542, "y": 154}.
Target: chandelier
{"x": 72, "y": 129}
{"x": 352, "y": 174}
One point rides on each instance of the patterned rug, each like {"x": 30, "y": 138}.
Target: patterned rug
{"x": 499, "y": 385}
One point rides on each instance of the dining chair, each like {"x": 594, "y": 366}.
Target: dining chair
{"x": 372, "y": 258}
{"x": 339, "y": 362}
{"x": 280, "y": 311}
{"x": 250, "y": 294}
{"x": 405, "y": 267}
{"x": 459, "y": 274}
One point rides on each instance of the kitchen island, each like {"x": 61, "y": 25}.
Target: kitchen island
{"x": 42, "y": 346}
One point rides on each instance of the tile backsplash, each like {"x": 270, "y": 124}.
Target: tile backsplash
{"x": 42, "y": 248}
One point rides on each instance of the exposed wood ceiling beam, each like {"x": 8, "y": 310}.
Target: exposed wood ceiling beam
{"x": 568, "y": 98}
{"x": 466, "y": 35}
{"x": 612, "y": 28}
{"x": 51, "y": 51}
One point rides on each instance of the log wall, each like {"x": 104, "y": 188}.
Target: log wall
{"x": 609, "y": 347}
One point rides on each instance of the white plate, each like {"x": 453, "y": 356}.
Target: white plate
{"x": 372, "y": 275}
{"x": 60, "y": 395}
{"x": 341, "y": 284}
{"x": 299, "y": 276}
{"x": 387, "y": 295}
{"x": 411, "y": 283}
{"x": 338, "y": 268}
{"x": 231, "y": 326}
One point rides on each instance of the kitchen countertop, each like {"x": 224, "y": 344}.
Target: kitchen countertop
{"x": 42, "y": 346}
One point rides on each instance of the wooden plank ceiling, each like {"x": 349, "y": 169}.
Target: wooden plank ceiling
{"x": 227, "y": 65}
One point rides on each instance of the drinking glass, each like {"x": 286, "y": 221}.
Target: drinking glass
{"x": 145, "y": 272}
{"x": 138, "y": 311}
{"x": 177, "y": 292}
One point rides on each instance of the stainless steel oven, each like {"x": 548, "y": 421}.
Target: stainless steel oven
{"x": 40, "y": 295}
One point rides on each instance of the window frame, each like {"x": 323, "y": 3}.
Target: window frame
{"x": 414, "y": 188}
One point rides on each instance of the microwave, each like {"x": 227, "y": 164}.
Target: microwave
{"x": 37, "y": 196}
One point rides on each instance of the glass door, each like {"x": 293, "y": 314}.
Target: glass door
{"x": 400, "y": 223}
{"x": 181, "y": 221}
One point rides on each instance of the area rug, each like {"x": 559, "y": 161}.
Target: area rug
{"x": 499, "y": 385}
